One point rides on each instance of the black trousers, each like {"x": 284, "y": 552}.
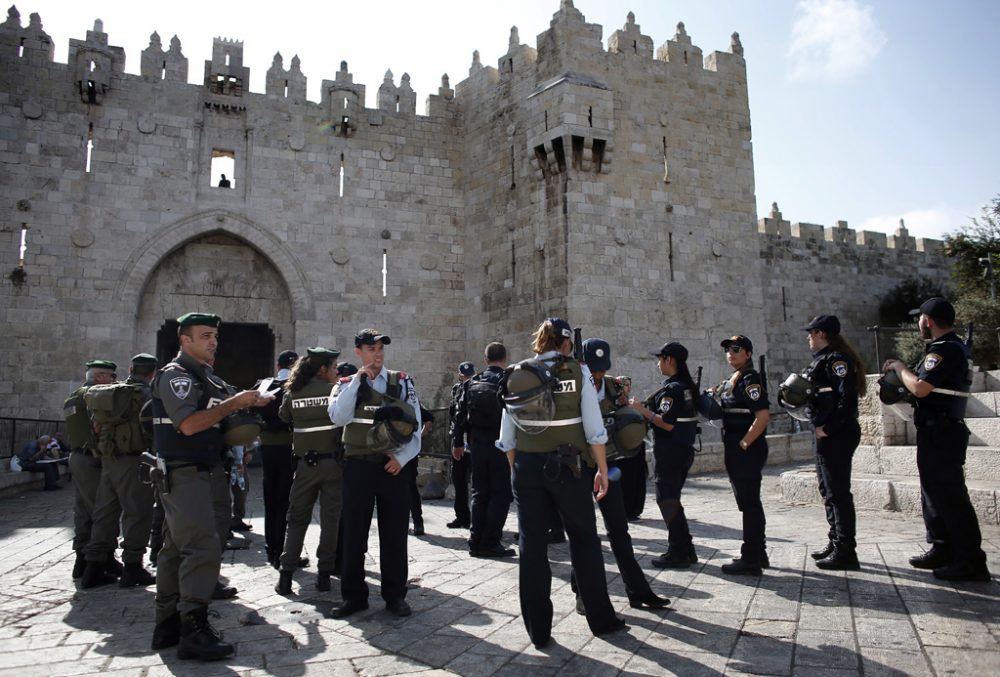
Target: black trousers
{"x": 672, "y": 466}
{"x": 50, "y": 472}
{"x": 367, "y": 485}
{"x": 460, "y": 478}
{"x": 491, "y": 492}
{"x": 834, "y": 454}
{"x": 744, "y": 470}
{"x": 949, "y": 517}
{"x": 411, "y": 470}
{"x": 276, "y": 484}
{"x": 543, "y": 486}
{"x": 635, "y": 472}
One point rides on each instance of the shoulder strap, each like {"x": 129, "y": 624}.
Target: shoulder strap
{"x": 394, "y": 388}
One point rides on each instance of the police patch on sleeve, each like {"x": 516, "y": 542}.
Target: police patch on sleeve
{"x": 180, "y": 387}
{"x": 666, "y": 403}
{"x": 932, "y": 360}
{"x": 753, "y": 391}
{"x": 839, "y": 368}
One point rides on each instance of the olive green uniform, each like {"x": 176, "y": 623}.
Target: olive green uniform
{"x": 84, "y": 465}
{"x": 318, "y": 474}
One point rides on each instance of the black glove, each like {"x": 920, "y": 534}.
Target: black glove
{"x": 387, "y": 414}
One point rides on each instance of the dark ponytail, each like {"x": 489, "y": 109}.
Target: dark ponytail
{"x": 304, "y": 370}
{"x": 839, "y": 343}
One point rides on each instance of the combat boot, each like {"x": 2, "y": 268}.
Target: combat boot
{"x": 96, "y": 574}
{"x": 671, "y": 559}
{"x": 323, "y": 581}
{"x": 199, "y": 639}
{"x": 167, "y": 633}
{"x": 841, "y": 559}
{"x": 79, "y": 565}
{"x": 134, "y": 575}
{"x": 113, "y": 566}
{"x": 284, "y": 585}
{"x": 824, "y": 552}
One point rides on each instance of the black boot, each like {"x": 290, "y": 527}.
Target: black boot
{"x": 95, "y": 575}
{"x": 167, "y": 633}
{"x": 284, "y": 585}
{"x": 692, "y": 554}
{"x": 323, "y": 581}
{"x": 199, "y": 639}
{"x": 823, "y": 553}
{"x": 134, "y": 575}
{"x": 843, "y": 558}
{"x": 418, "y": 526}
{"x": 671, "y": 559}
{"x": 936, "y": 557}
{"x": 114, "y": 567}
{"x": 79, "y": 565}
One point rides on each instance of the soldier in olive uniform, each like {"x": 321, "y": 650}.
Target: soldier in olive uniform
{"x": 317, "y": 472}
{"x": 126, "y": 495}
{"x": 189, "y": 404}
{"x": 366, "y": 405}
{"x": 84, "y": 463}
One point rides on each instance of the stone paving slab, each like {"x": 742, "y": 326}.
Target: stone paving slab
{"x": 887, "y": 619}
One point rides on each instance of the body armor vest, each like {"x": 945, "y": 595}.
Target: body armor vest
{"x": 951, "y": 397}
{"x": 567, "y": 422}
{"x": 686, "y": 425}
{"x": 355, "y": 436}
{"x": 608, "y": 408}
{"x": 79, "y": 429}
{"x": 312, "y": 429}
{"x": 173, "y": 445}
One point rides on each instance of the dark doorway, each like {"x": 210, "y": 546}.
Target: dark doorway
{"x": 245, "y": 354}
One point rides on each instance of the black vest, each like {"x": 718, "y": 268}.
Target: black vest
{"x": 173, "y": 445}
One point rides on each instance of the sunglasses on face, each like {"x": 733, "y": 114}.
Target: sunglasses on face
{"x": 732, "y": 350}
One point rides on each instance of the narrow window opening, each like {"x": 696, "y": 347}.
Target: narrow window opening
{"x": 91, "y": 91}
{"x": 286, "y": 89}
{"x": 513, "y": 179}
{"x": 513, "y": 262}
{"x": 227, "y": 58}
{"x": 91, "y": 66}
{"x": 546, "y": 121}
{"x": 670, "y": 254}
{"x": 90, "y": 145}
{"x": 685, "y": 56}
{"x": 20, "y": 49}
{"x": 557, "y": 148}
{"x": 784, "y": 308}
{"x": 510, "y": 65}
{"x": 223, "y": 170}
{"x": 397, "y": 104}
{"x": 345, "y": 103}
{"x": 590, "y": 115}
{"x": 666, "y": 168}
{"x": 635, "y": 47}
{"x": 24, "y": 245}
{"x": 598, "y": 160}
{"x": 543, "y": 159}
{"x": 577, "y": 152}
{"x": 163, "y": 71}
{"x": 385, "y": 271}
{"x": 341, "y": 175}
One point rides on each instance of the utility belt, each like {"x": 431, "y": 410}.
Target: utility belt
{"x": 313, "y": 457}
{"x": 155, "y": 470}
{"x": 563, "y": 455}
{"x": 941, "y": 420}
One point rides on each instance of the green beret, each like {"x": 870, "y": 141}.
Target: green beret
{"x": 203, "y": 319}
{"x": 102, "y": 364}
{"x": 325, "y": 354}
{"x": 143, "y": 360}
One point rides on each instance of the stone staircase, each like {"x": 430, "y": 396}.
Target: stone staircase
{"x": 885, "y": 468}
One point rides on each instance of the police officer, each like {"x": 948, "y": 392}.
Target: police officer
{"x": 381, "y": 417}
{"x": 189, "y": 404}
{"x": 124, "y": 495}
{"x": 460, "y": 463}
{"x": 744, "y": 426}
{"x": 597, "y": 357}
{"x": 84, "y": 462}
{"x": 475, "y": 428}
{"x": 837, "y": 382}
{"x": 550, "y": 428}
{"x": 941, "y": 387}
{"x": 318, "y": 475}
{"x": 671, "y": 413}
{"x": 276, "y": 463}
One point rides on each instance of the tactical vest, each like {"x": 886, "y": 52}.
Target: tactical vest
{"x": 685, "y": 425}
{"x": 173, "y": 445}
{"x": 736, "y": 414}
{"x": 952, "y": 397}
{"x": 79, "y": 429}
{"x": 567, "y": 422}
{"x": 355, "y": 436}
{"x": 608, "y": 408}
{"x": 312, "y": 429}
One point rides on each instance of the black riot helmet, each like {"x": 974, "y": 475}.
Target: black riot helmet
{"x": 797, "y": 395}
{"x": 894, "y": 395}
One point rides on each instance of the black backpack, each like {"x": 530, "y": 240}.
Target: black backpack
{"x": 483, "y": 406}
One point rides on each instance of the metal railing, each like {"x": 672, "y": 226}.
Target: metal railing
{"x": 16, "y": 432}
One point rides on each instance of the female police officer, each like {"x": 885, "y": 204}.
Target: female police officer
{"x": 744, "y": 423}
{"x": 670, "y": 410}
{"x": 551, "y": 425}
{"x": 837, "y": 382}
{"x": 317, "y": 472}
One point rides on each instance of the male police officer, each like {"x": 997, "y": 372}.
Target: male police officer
{"x": 123, "y": 493}
{"x": 189, "y": 404}
{"x": 460, "y": 465}
{"x": 84, "y": 463}
{"x": 941, "y": 387}
{"x": 276, "y": 464}
{"x": 376, "y": 405}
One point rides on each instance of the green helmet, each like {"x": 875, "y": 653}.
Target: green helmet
{"x": 796, "y": 394}
{"x": 241, "y": 427}
{"x": 628, "y": 434}
{"x": 394, "y": 426}
{"x": 526, "y": 391}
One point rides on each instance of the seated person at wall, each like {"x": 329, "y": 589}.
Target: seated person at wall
{"x": 42, "y": 456}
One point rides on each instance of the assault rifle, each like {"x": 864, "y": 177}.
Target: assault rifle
{"x": 578, "y": 344}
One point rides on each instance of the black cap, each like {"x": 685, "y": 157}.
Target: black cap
{"x": 287, "y": 358}
{"x": 203, "y": 319}
{"x": 561, "y": 326}
{"x": 369, "y": 337}
{"x": 828, "y": 324}
{"x": 467, "y": 369}
{"x": 674, "y": 350}
{"x": 738, "y": 340}
{"x": 102, "y": 364}
{"x": 143, "y": 360}
{"x": 597, "y": 354}
{"x": 346, "y": 369}
{"x": 938, "y": 309}
{"x": 325, "y": 354}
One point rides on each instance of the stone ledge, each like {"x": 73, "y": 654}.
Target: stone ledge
{"x": 12, "y": 483}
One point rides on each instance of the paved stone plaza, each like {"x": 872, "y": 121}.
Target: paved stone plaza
{"x": 887, "y": 619}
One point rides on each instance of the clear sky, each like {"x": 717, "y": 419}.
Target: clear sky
{"x": 863, "y": 110}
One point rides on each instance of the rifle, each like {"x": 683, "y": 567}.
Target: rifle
{"x": 968, "y": 337}
{"x": 763, "y": 372}
{"x": 697, "y": 381}
{"x": 578, "y": 344}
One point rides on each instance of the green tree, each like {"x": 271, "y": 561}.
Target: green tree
{"x": 894, "y": 310}
{"x": 978, "y": 240}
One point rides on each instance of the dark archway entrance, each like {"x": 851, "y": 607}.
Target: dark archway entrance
{"x": 245, "y": 354}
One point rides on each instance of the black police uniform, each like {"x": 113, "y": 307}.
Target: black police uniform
{"x": 491, "y": 492}
{"x": 459, "y": 470}
{"x": 739, "y": 403}
{"x": 673, "y": 451}
{"x": 833, "y": 376}
{"x": 276, "y": 468}
{"x": 942, "y": 439}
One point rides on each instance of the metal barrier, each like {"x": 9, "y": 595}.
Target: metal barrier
{"x": 16, "y": 432}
